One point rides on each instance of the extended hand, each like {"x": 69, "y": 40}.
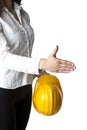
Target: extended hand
{"x": 54, "y": 64}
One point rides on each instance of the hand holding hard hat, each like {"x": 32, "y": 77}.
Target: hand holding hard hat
{"x": 48, "y": 94}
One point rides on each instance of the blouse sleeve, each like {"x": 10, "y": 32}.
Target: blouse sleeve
{"x": 16, "y": 62}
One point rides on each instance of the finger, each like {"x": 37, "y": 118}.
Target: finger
{"x": 65, "y": 65}
{"x": 65, "y": 62}
{"x": 54, "y": 51}
{"x": 66, "y": 69}
{"x": 63, "y": 71}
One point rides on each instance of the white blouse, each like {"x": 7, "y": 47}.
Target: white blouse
{"x": 17, "y": 68}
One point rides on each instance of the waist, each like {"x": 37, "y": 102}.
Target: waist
{"x": 13, "y": 93}
{"x": 13, "y": 79}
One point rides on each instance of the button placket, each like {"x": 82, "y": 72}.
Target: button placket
{"x": 27, "y": 41}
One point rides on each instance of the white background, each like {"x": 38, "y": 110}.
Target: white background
{"x": 62, "y": 23}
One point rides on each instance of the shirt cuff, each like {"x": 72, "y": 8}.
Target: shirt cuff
{"x": 32, "y": 66}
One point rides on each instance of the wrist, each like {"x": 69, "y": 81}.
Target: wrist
{"x": 42, "y": 64}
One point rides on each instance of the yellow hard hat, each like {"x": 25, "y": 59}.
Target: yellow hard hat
{"x": 48, "y": 95}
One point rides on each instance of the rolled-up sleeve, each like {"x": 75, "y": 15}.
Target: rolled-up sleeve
{"x": 16, "y": 62}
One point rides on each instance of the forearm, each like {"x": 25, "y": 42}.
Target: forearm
{"x": 19, "y": 63}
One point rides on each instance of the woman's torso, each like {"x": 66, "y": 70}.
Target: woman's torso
{"x": 20, "y": 39}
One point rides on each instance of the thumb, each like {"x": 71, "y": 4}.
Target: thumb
{"x": 54, "y": 51}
